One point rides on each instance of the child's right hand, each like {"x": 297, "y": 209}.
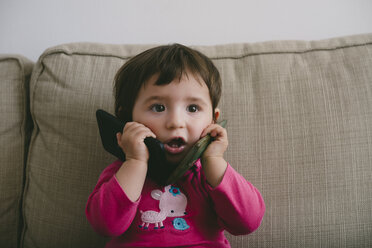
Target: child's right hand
{"x": 132, "y": 141}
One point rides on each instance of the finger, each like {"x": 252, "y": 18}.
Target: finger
{"x": 213, "y": 130}
{"x": 213, "y": 133}
{"x": 146, "y": 133}
{"x": 143, "y": 131}
{"x": 118, "y": 137}
{"x": 139, "y": 131}
{"x": 206, "y": 131}
{"x": 130, "y": 126}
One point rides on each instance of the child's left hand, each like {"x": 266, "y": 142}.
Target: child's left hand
{"x": 220, "y": 141}
{"x": 214, "y": 165}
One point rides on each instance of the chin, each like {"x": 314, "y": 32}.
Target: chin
{"x": 172, "y": 160}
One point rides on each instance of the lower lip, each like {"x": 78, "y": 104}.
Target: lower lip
{"x": 174, "y": 150}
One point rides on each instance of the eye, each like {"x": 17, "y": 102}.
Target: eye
{"x": 193, "y": 108}
{"x": 157, "y": 108}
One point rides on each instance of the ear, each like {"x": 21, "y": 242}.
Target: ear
{"x": 217, "y": 113}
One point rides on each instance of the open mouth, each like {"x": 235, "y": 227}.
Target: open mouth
{"x": 175, "y": 145}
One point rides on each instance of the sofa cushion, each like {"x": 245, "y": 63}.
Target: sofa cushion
{"x": 299, "y": 129}
{"x": 15, "y": 130}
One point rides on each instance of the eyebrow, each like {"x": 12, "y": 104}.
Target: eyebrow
{"x": 153, "y": 98}
{"x": 197, "y": 99}
{"x": 191, "y": 99}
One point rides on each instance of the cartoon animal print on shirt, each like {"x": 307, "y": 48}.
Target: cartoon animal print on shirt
{"x": 172, "y": 203}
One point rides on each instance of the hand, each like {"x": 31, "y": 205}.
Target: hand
{"x": 132, "y": 141}
{"x": 220, "y": 141}
{"x": 213, "y": 163}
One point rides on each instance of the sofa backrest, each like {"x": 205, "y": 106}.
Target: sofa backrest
{"x": 15, "y": 127}
{"x": 299, "y": 129}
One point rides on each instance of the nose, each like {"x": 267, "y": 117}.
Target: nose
{"x": 175, "y": 120}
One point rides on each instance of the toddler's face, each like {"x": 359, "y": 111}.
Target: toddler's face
{"x": 177, "y": 113}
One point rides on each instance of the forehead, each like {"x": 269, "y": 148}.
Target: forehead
{"x": 164, "y": 77}
{"x": 188, "y": 86}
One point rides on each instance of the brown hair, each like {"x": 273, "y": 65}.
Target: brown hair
{"x": 168, "y": 62}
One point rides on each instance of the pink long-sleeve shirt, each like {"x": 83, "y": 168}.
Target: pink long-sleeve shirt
{"x": 189, "y": 213}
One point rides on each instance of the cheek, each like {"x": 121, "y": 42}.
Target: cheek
{"x": 153, "y": 126}
{"x": 148, "y": 121}
{"x": 199, "y": 128}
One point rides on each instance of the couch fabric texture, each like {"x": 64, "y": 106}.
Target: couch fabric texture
{"x": 15, "y": 131}
{"x": 299, "y": 124}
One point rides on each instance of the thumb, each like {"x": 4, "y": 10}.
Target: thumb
{"x": 118, "y": 138}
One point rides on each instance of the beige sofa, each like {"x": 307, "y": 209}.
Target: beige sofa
{"x": 300, "y": 129}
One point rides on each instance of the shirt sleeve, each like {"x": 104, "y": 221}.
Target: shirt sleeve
{"x": 238, "y": 204}
{"x": 109, "y": 210}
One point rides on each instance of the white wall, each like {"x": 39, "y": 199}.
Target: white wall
{"x": 28, "y": 27}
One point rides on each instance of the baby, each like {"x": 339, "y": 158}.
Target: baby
{"x": 171, "y": 93}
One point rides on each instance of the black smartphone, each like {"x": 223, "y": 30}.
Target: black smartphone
{"x": 159, "y": 170}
